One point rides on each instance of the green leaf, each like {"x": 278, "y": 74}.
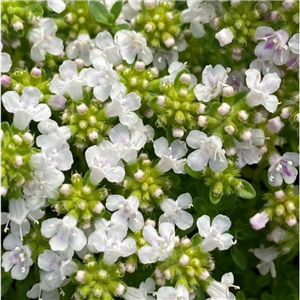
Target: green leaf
{"x": 246, "y": 191}
{"x": 200, "y": 205}
{"x": 123, "y": 26}
{"x": 6, "y": 282}
{"x": 116, "y": 9}
{"x": 99, "y": 11}
{"x": 240, "y": 296}
{"x": 5, "y": 127}
{"x": 194, "y": 174}
{"x": 267, "y": 297}
{"x": 239, "y": 256}
{"x": 213, "y": 198}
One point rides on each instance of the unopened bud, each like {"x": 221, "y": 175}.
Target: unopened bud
{"x": 18, "y": 161}
{"x": 158, "y": 192}
{"x": 177, "y": 132}
{"x": 229, "y": 129}
{"x": 167, "y": 274}
{"x": 225, "y": 37}
{"x": 290, "y": 206}
{"x": 285, "y": 113}
{"x": 246, "y": 135}
{"x": 184, "y": 260}
{"x": 119, "y": 291}
{"x": 80, "y": 276}
{"x": 291, "y": 221}
{"x": 5, "y": 80}
{"x": 279, "y": 195}
{"x": 186, "y": 78}
{"x": 149, "y": 113}
{"x": 161, "y": 100}
{"x": 102, "y": 273}
{"x": 93, "y": 135}
{"x": 3, "y": 190}
{"x": 130, "y": 267}
{"x": 98, "y": 208}
{"x": 82, "y": 109}
{"x": 224, "y": 109}
{"x": 17, "y": 139}
{"x": 204, "y": 275}
{"x": 280, "y": 210}
{"x": 201, "y": 108}
{"x": 17, "y": 26}
{"x": 150, "y": 4}
{"x": 176, "y": 240}
{"x": 183, "y": 93}
{"x": 288, "y": 4}
{"x": 243, "y": 115}
{"x": 160, "y": 282}
{"x": 274, "y": 125}
{"x": 150, "y": 222}
{"x": 65, "y": 189}
{"x": 274, "y": 15}
{"x": 227, "y": 91}
{"x": 79, "y": 63}
{"x": 158, "y": 273}
{"x": 169, "y": 42}
{"x": 185, "y": 241}
{"x": 139, "y": 66}
{"x": 36, "y": 72}
{"x": 230, "y": 151}
{"x": 202, "y": 121}
{"x": 139, "y": 174}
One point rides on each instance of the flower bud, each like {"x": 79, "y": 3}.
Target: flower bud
{"x": 158, "y": 192}
{"x": 177, "y": 132}
{"x": 274, "y": 125}
{"x": 65, "y": 189}
{"x": 161, "y": 100}
{"x": 243, "y": 115}
{"x": 36, "y": 72}
{"x": 3, "y": 190}
{"x": 158, "y": 273}
{"x": 277, "y": 235}
{"x": 201, "y": 108}
{"x": 246, "y": 135}
{"x": 82, "y": 109}
{"x": 80, "y": 276}
{"x": 150, "y": 222}
{"x": 5, "y": 80}
{"x": 229, "y": 129}
{"x": 202, "y": 121}
{"x": 259, "y": 220}
{"x": 224, "y": 109}
{"x": 279, "y": 195}
{"x": 185, "y": 241}
{"x": 291, "y": 221}
{"x": 119, "y": 291}
{"x": 184, "y": 260}
{"x": 150, "y": 4}
{"x": 167, "y": 274}
{"x": 130, "y": 267}
{"x": 93, "y": 135}
{"x": 160, "y": 282}
{"x": 149, "y": 113}
{"x": 169, "y": 42}
{"x": 17, "y": 139}
{"x": 285, "y": 113}
{"x": 102, "y": 274}
{"x": 274, "y": 15}
{"x": 17, "y": 26}
{"x": 58, "y": 102}
{"x": 288, "y": 4}
{"x": 18, "y": 161}
{"x": 280, "y": 211}
{"x": 139, "y": 174}
{"x": 98, "y": 208}
{"x": 176, "y": 240}
{"x": 227, "y": 91}
{"x": 235, "y": 3}
{"x": 140, "y": 66}
{"x": 204, "y": 275}
{"x": 225, "y": 36}
{"x": 230, "y": 151}
{"x": 185, "y": 78}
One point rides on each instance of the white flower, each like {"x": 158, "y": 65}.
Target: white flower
{"x": 81, "y": 48}
{"x": 125, "y": 143}
{"x": 163, "y": 58}
{"x": 70, "y": 82}
{"x": 225, "y": 37}
{"x": 283, "y": 168}
{"x": 220, "y": 290}
{"x": 57, "y": 5}
{"x": 18, "y": 217}
{"x": 170, "y": 155}
{"x": 266, "y": 255}
{"x": 26, "y": 107}
{"x": 123, "y": 105}
{"x": 259, "y": 220}
{"x": 214, "y": 80}
{"x": 54, "y": 158}
{"x": 198, "y": 13}
{"x": 126, "y": 211}
{"x": 108, "y": 49}
{"x": 147, "y": 287}
{"x": 209, "y": 152}
{"x": 294, "y": 43}
{"x": 161, "y": 246}
{"x": 246, "y": 151}
{"x": 174, "y": 213}
{"x": 104, "y": 163}
{"x": 18, "y": 258}
{"x": 273, "y": 46}
{"x": 49, "y": 126}
{"x": 214, "y": 236}
{"x": 264, "y": 66}
{"x": 57, "y": 266}
{"x": 145, "y": 129}
{"x": 133, "y": 44}
{"x": 101, "y": 78}
{"x": 6, "y": 62}
{"x": 63, "y": 233}
{"x": 170, "y": 293}
{"x": 112, "y": 243}
{"x": 44, "y": 40}
{"x": 261, "y": 90}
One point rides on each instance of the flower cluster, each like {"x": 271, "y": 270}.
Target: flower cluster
{"x": 148, "y": 149}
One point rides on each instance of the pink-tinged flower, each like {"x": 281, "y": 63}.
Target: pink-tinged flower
{"x": 274, "y": 45}
{"x": 225, "y": 37}
{"x": 259, "y": 220}
{"x": 283, "y": 168}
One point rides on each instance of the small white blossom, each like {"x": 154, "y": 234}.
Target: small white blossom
{"x": 113, "y": 243}
{"x": 174, "y": 213}
{"x": 171, "y": 156}
{"x": 123, "y": 105}
{"x": 161, "y": 246}
{"x": 69, "y": 82}
{"x": 170, "y": 293}
{"x": 209, "y": 151}
{"x": 57, "y": 5}
{"x": 49, "y": 126}
{"x": 261, "y": 90}
{"x": 6, "y": 62}
{"x": 214, "y": 80}
{"x": 133, "y": 44}
{"x": 101, "y": 78}
{"x": 104, "y": 163}
{"x": 63, "y": 233}
{"x": 126, "y": 211}
{"x": 147, "y": 287}
{"x": 214, "y": 236}
{"x": 225, "y": 36}
{"x": 18, "y": 258}
{"x": 44, "y": 40}
{"x": 266, "y": 255}
{"x": 259, "y": 220}
{"x": 26, "y": 107}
